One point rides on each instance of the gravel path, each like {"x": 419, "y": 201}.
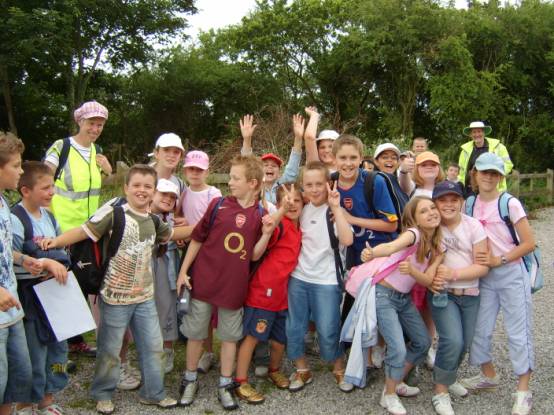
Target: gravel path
{"x": 323, "y": 397}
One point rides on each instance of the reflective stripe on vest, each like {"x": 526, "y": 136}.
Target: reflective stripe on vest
{"x": 76, "y": 195}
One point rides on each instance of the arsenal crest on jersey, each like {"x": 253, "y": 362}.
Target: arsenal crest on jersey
{"x": 240, "y": 220}
{"x": 348, "y": 203}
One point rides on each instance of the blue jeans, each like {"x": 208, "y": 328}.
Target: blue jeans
{"x": 455, "y": 326}
{"x": 49, "y": 363}
{"x": 322, "y": 303}
{"x": 15, "y": 365}
{"x": 396, "y": 316}
{"x": 143, "y": 321}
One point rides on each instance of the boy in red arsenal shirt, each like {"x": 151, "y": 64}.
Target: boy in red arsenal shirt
{"x": 265, "y": 312}
{"x": 218, "y": 262}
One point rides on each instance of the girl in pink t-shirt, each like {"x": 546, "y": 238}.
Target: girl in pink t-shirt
{"x": 396, "y": 313}
{"x": 507, "y": 285}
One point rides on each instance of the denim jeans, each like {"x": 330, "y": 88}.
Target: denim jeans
{"x": 396, "y": 316}
{"x": 15, "y": 365}
{"x": 455, "y": 326}
{"x": 322, "y": 303}
{"x": 49, "y": 363}
{"x": 142, "y": 319}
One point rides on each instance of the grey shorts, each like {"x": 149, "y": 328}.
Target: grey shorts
{"x": 196, "y": 322}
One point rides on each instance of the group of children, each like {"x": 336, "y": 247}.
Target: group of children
{"x": 264, "y": 262}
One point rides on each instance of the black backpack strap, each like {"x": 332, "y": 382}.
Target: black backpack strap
{"x": 62, "y": 158}
{"x": 21, "y": 214}
{"x": 117, "y": 234}
{"x": 368, "y": 188}
{"x": 339, "y": 268}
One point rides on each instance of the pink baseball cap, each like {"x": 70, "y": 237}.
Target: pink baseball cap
{"x": 198, "y": 159}
{"x": 90, "y": 109}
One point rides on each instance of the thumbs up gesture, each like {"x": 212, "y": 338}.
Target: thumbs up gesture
{"x": 405, "y": 267}
{"x": 367, "y": 253}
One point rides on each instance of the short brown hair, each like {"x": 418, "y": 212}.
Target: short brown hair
{"x": 143, "y": 169}
{"x": 10, "y": 144}
{"x": 253, "y": 168}
{"x": 348, "y": 140}
{"x": 33, "y": 171}
{"x": 317, "y": 165}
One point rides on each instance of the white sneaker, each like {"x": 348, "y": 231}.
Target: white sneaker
{"x": 205, "y": 363}
{"x": 392, "y": 404}
{"x": 523, "y": 402}
{"x": 169, "y": 356}
{"x": 406, "y": 391}
{"x": 480, "y": 381}
{"x": 442, "y": 404}
{"x": 377, "y": 356}
{"x": 128, "y": 379}
{"x": 458, "y": 390}
{"x": 431, "y": 356}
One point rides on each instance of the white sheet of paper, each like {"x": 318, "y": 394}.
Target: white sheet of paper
{"x": 65, "y": 307}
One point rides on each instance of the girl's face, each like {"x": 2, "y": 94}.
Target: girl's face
{"x": 168, "y": 157}
{"x": 325, "y": 151}
{"x": 428, "y": 170}
{"x": 488, "y": 180}
{"x": 348, "y": 159}
{"x": 271, "y": 171}
{"x": 298, "y": 203}
{"x": 387, "y": 161}
{"x": 427, "y": 215}
{"x": 164, "y": 201}
{"x": 195, "y": 176}
{"x": 449, "y": 206}
{"x": 314, "y": 183}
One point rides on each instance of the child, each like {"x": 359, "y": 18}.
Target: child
{"x": 396, "y": 315}
{"x": 452, "y": 172}
{"x": 168, "y": 152}
{"x": 230, "y": 235}
{"x": 48, "y": 356}
{"x": 193, "y": 204}
{"x": 320, "y": 148}
{"x": 272, "y": 163}
{"x": 266, "y": 303}
{"x": 464, "y": 238}
{"x": 165, "y": 266}
{"x": 368, "y": 164}
{"x": 127, "y": 293}
{"x": 419, "y": 145}
{"x": 506, "y": 287}
{"x": 313, "y": 290}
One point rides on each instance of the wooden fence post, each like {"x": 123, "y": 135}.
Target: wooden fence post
{"x": 515, "y": 183}
{"x": 550, "y": 184}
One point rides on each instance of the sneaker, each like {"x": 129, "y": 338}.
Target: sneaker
{"x": 279, "y": 379}
{"x": 52, "y": 409}
{"x": 165, "y": 403}
{"x": 187, "y": 390}
{"x": 344, "y": 386}
{"x": 205, "y": 363}
{"x": 227, "y": 397}
{"x": 442, "y": 404}
{"x": 480, "y": 382}
{"x": 430, "y": 359}
{"x": 392, "y": 404}
{"x": 82, "y": 348}
{"x": 300, "y": 379}
{"x": 523, "y": 402}
{"x": 247, "y": 393}
{"x": 104, "y": 407}
{"x": 169, "y": 356}
{"x": 28, "y": 410}
{"x": 406, "y": 391}
{"x": 261, "y": 371}
{"x": 377, "y": 356}
{"x": 458, "y": 390}
{"x": 128, "y": 379}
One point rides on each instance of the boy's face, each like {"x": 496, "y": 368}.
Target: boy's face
{"x": 92, "y": 127}
{"x": 164, "y": 201}
{"x": 325, "y": 151}
{"x": 387, "y": 161}
{"x": 195, "y": 176}
{"x": 140, "y": 191}
{"x": 348, "y": 159}
{"x": 271, "y": 171}
{"x": 168, "y": 157}
{"x": 314, "y": 183}
{"x": 452, "y": 173}
{"x": 419, "y": 146}
{"x": 11, "y": 172}
{"x": 239, "y": 186}
{"x": 298, "y": 203}
{"x": 449, "y": 206}
{"x": 42, "y": 192}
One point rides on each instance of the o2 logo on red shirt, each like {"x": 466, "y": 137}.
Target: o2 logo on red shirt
{"x": 348, "y": 203}
{"x": 234, "y": 243}
{"x": 240, "y": 220}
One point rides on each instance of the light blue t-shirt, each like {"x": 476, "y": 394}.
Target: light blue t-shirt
{"x": 7, "y": 275}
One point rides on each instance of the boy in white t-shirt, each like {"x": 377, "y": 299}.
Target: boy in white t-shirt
{"x": 313, "y": 289}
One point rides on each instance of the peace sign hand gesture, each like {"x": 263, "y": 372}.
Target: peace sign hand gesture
{"x": 287, "y": 202}
{"x": 333, "y": 196}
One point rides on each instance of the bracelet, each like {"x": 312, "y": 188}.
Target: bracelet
{"x": 21, "y": 259}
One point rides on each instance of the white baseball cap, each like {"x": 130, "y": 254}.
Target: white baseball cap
{"x": 384, "y": 147}
{"x": 327, "y": 135}
{"x": 169, "y": 140}
{"x": 166, "y": 186}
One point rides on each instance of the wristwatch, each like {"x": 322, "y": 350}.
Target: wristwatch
{"x": 503, "y": 260}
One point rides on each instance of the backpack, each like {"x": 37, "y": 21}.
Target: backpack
{"x": 339, "y": 266}
{"x": 64, "y": 154}
{"x": 90, "y": 259}
{"x": 532, "y": 260}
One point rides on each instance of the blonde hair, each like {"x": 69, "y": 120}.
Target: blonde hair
{"x": 348, "y": 140}
{"x": 10, "y": 144}
{"x": 316, "y": 165}
{"x": 428, "y": 244}
{"x": 419, "y": 180}
{"x": 253, "y": 168}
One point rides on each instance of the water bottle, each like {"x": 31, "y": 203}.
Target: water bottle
{"x": 183, "y": 303}
{"x": 440, "y": 299}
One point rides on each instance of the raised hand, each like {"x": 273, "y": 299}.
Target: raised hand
{"x": 247, "y": 126}
{"x": 333, "y": 196}
{"x": 311, "y": 111}
{"x": 298, "y": 125}
{"x": 408, "y": 164}
{"x": 367, "y": 253}
{"x": 268, "y": 224}
{"x": 287, "y": 202}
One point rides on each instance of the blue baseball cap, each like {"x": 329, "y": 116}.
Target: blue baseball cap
{"x": 447, "y": 187}
{"x": 490, "y": 161}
